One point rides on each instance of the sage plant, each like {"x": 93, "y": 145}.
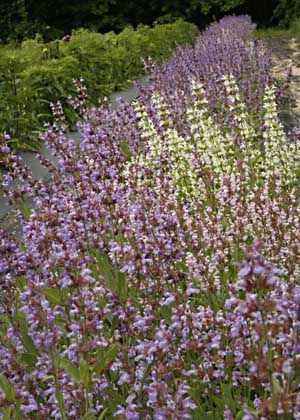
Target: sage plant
{"x": 158, "y": 273}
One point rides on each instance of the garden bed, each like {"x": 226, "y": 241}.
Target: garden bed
{"x": 158, "y": 275}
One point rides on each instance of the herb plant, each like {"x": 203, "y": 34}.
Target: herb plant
{"x": 158, "y": 274}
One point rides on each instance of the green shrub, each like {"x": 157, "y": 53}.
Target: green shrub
{"x": 28, "y": 83}
{"x": 51, "y": 81}
{"x": 16, "y": 105}
{"x": 168, "y": 36}
{"x": 92, "y": 51}
{"x": 286, "y": 12}
{"x": 37, "y": 73}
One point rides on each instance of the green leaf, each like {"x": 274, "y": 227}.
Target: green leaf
{"x": 56, "y": 361}
{"x": 60, "y": 399}
{"x": 125, "y": 150}
{"x": 8, "y": 389}
{"x": 101, "y": 417}
{"x": 27, "y": 340}
{"x": 106, "y": 270}
{"x": 218, "y": 401}
{"x": 29, "y": 359}
{"x": 84, "y": 372}
{"x": 107, "y": 358}
{"x": 116, "y": 281}
{"x": 17, "y": 414}
{"x": 88, "y": 416}
{"x": 122, "y": 286}
{"x": 25, "y": 210}
{"x": 241, "y": 413}
{"x": 54, "y": 295}
{"x": 21, "y": 282}
{"x": 47, "y": 378}
{"x": 166, "y": 313}
{"x": 276, "y": 385}
{"x": 114, "y": 398}
{"x": 6, "y": 413}
{"x": 71, "y": 368}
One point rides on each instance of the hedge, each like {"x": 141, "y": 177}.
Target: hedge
{"x": 36, "y": 74}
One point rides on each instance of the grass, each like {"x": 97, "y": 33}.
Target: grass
{"x": 293, "y": 31}
{"x": 271, "y": 32}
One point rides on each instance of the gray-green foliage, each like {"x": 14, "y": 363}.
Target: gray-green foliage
{"x": 36, "y": 74}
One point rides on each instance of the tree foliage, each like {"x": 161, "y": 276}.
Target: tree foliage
{"x": 13, "y": 19}
{"x": 55, "y": 18}
{"x": 287, "y": 11}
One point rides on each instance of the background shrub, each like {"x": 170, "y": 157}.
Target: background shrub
{"x": 54, "y": 18}
{"x": 37, "y": 73}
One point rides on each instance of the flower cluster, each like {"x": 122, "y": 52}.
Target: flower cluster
{"x": 158, "y": 273}
{"x": 225, "y": 48}
{"x": 211, "y": 146}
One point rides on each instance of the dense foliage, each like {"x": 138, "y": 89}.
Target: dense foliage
{"x": 36, "y": 74}
{"x": 287, "y": 11}
{"x": 55, "y": 18}
{"x": 158, "y": 275}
